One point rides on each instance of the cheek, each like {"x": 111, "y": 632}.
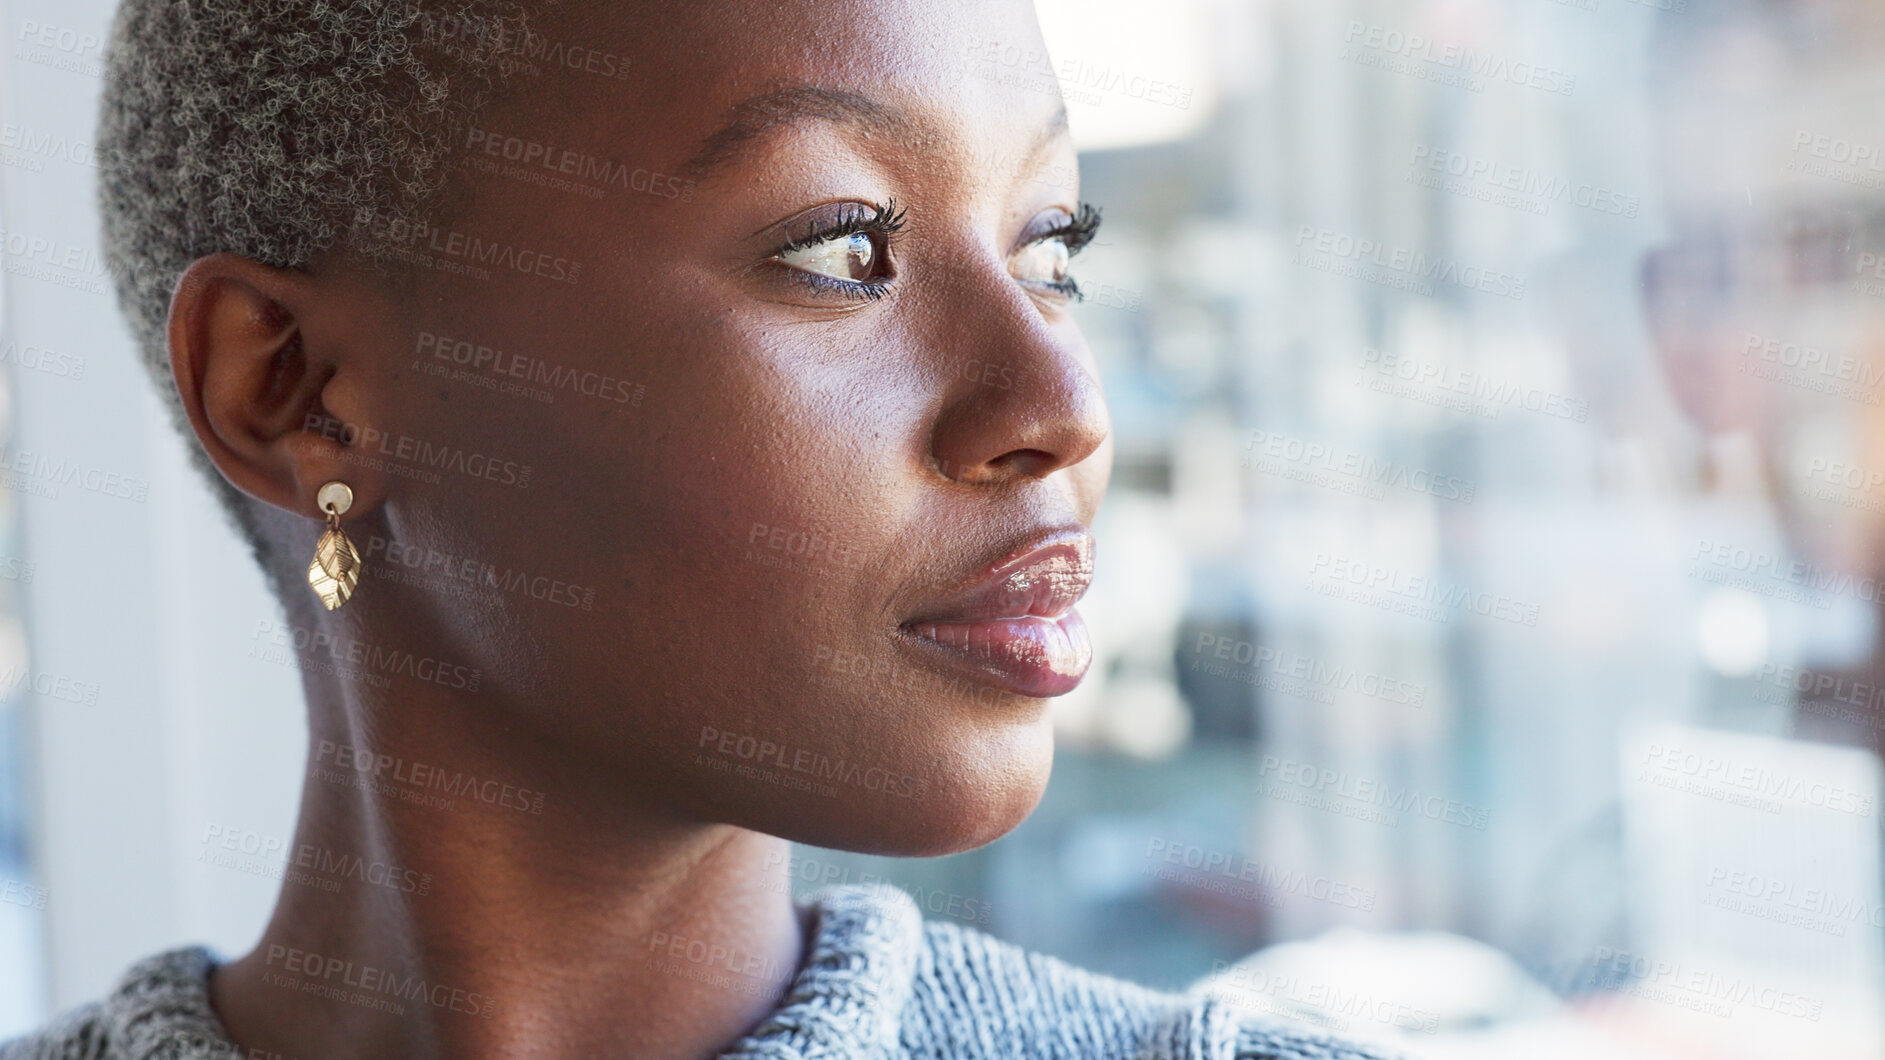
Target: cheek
{"x": 750, "y": 457}
{"x": 1092, "y": 476}
{"x": 751, "y": 526}
{"x": 740, "y": 518}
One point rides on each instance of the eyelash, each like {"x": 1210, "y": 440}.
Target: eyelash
{"x": 887, "y": 221}
{"x": 1076, "y": 232}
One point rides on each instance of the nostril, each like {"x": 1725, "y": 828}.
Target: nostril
{"x": 1035, "y": 463}
{"x": 1032, "y": 463}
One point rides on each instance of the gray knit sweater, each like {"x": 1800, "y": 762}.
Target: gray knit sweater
{"x": 878, "y": 984}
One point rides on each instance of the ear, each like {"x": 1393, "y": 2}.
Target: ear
{"x": 272, "y": 402}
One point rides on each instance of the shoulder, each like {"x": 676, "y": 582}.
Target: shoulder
{"x": 159, "y": 1008}
{"x": 77, "y": 1034}
{"x": 975, "y": 995}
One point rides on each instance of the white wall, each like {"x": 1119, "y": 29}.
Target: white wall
{"x": 156, "y": 602}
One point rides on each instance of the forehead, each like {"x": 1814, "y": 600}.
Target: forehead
{"x": 684, "y": 71}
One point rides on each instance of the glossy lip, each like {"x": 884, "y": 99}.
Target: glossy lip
{"x": 1014, "y": 625}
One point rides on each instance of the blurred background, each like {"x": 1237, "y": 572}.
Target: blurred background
{"x": 1487, "y": 618}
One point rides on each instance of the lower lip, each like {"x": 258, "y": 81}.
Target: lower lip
{"x": 1033, "y": 656}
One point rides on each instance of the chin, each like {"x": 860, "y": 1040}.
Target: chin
{"x": 944, "y": 795}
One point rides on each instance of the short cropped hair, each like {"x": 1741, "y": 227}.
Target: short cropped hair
{"x": 276, "y": 129}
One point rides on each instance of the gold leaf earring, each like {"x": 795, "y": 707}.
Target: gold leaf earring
{"x": 336, "y": 567}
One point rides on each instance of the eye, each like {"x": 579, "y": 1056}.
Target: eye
{"x": 841, "y": 250}
{"x": 1043, "y": 262}
{"x": 852, "y": 257}
{"x": 1055, "y": 238}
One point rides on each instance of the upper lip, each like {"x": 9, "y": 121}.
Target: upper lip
{"x": 1043, "y": 576}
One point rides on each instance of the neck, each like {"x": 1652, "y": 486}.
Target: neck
{"x": 436, "y": 903}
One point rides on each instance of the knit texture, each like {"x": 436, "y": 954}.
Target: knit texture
{"x": 878, "y": 983}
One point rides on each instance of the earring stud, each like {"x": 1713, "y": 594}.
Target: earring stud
{"x": 336, "y": 566}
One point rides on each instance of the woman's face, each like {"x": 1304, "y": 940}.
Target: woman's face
{"x": 776, "y": 562}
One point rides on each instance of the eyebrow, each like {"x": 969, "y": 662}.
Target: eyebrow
{"x": 758, "y": 115}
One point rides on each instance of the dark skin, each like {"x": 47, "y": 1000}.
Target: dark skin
{"x": 767, "y": 403}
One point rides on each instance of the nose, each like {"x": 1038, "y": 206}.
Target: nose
{"x": 1021, "y": 398}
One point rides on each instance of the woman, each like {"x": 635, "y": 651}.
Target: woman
{"x": 669, "y": 416}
